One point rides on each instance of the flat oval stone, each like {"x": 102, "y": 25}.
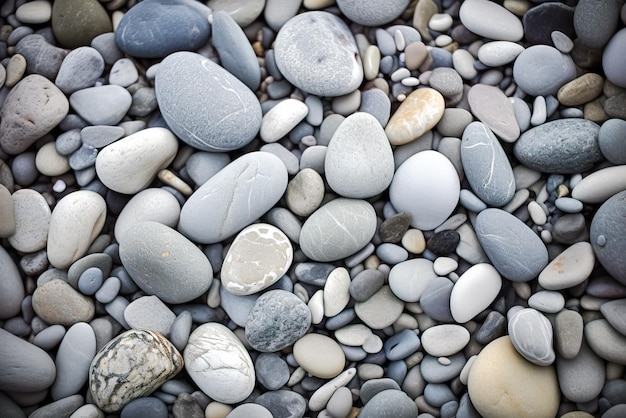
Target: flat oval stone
{"x": 157, "y": 28}
{"x": 382, "y": 309}
{"x": 164, "y": 263}
{"x": 80, "y": 69}
{"x": 491, "y": 20}
{"x": 608, "y": 236}
{"x": 219, "y": 364}
{"x": 587, "y": 364}
{"x": 372, "y": 13}
{"x": 474, "y": 291}
{"x": 75, "y": 22}
{"x": 73, "y": 358}
{"x": 258, "y": 257}
{"x": 30, "y": 110}
{"x": 491, "y": 106}
{"x": 531, "y": 335}
{"x": 282, "y": 118}
{"x": 514, "y": 249}
{"x": 56, "y": 302}
{"x": 417, "y": 114}
{"x": 32, "y": 221}
{"x": 497, "y": 53}
{"x": 76, "y": 221}
{"x": 359, "y": 161}
{"x": 236, "y": 196}
{"x": 102, "y": 105}
{"x": 409, "y": 279}
{"x": 244, "y": 12}
{"x": 486, "y": 165}
{"x": 227, "y": 114}
{"x": 560, "y": 146}
{"x": 336, "y": 292}
{"x": 611, "y": 140}
{"x": 613, "y": 59}
{"x": 605, "y": 341}
{"x": 427, "y": 187}
{"x": 600, "y": 185}
{"x": 114, "y": 381}
{"x": 614, "y": 311}
{"x": 316, "y": 52}
{"x": 444, "y": 340}
{"x": 570, "y": 268}
{"x": 568, "y": 333}
{"x": 319, "y": 355}
{"x": 581, "y": 90}
{"x": 338, "y": 229}
{"x": 149, "y": 313}
{"x": 277, "y": 320}
{"x": 541, "y": 70}
{"x": 499, "y": 370}
{"x": 151, "y": 204}
{"x": 389, "y": 403}
{"x": 132, "y": 163}
{"x": 11, "y": 286}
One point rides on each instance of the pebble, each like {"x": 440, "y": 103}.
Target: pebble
{"x": 147, "y": 405}
{"x": 35, "y": 368}
{"x": 148, "y": 205}
{"x": 500, "y": 369}
{"x": 76, "y": 221}
{"x": 613, "y": 311}
{"x": 372, "y": 13}
{"x": 123, "y": 73}
{"x": 409, "y": 279}
{"x": 258, "y": 257}
{"x": 338, "y": 229}
{"x": 444, "y": 340}
{"x": 56, "y": 302}
{"x": 365, "y": 284}
{"x": 498, "y": 53}
{"x": 157, "y": 257}
{"x": 391, "y": 403}
{"x": 548, "y": 301}
{"x": 50, "y": 337}
{"x": 80, "y": 69}
{"x": 62, "y": 407}
{"x": 613, "y": 59}
{"x": 101, "y": 105}
{"x": 490, "y": 20}
{"x": 283, "y": 403}
{"x": 610, "y": 140}
{"x": 356, "y": 168}
{"x": 219, "y": 363}
{"x": 490, "y": 105}
{"x": 90, "y": 281}
{"x": 244, "y": 12}
{"x": 428, "y": 202}
{"x": 271, "y": 371}
{"x": 605, "y": 341}
{"x": 531, "y": 335}
{"x": 319, "y": 355}
{"x": 587, "y": 364}
{"x": 568, "y": 333}
{"x": 42, "y": 58}
{"x": 258, "y": 177}
{"x": 595, "y": 24}
{"x": 114, "y": 382}
{"x": 34, "y": 12}
{"x": 76, "y": 23}
{"x": 107, "y": 47}
{"x": 550, "y": 70}
{"x": 540, "y": 21}
{"x": 417, "y": 114}
{"x": 570, "y": 268}
{"x": 311, "y": 61}
{"x": 435, "y": 371}
{"x": 72, "y": 361}
{"x": 382, "y": 309}
{"x": 474, "y": 291}
{"x": 49, "y": 162}
{"x": 149, "y": 313}
{"x": 607, "y": 235}
{"x": 336, "y": 292}
{"x": 305, "y": 192}
{"x": 446, "y": 81}
{"x": 277, "y": 320}
{"x": 34, "y": 100}
{"x": 282, "y": 118}
{"x": 32, "y": 220}
{"x": 234, "y": 116}
{"x": 581, "y": 90}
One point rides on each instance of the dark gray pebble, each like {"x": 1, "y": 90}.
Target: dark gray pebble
{"x": 283, "y": 403}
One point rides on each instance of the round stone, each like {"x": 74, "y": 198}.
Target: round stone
{"x": 445, "y": 340}
{"x": 568, "y": 333}
{"x": 417, "y": 114}
{"x": 427, "y": 187}
{"x": 319, "y": 355}
{"x": 389, "y": 403}
{"x": 277, "y": 320}
{"x": 409, "y": 279}
{"x": 605, "y": 341}
{"x": 382, "y": 309}
{"x": 219, "y": 364}
{"x": 608, "y": 236}
{"x": 316, "y": 52}
{"x": 570, "y": 268}
{"x": 243, "y": 11}
{"x": 152, "y": 204}
{"x": 611, "y": 140}
{"x": 600, "y": 185}
{"x": 531, "y": 335}
{"x": 587, "y": 364}
{"x": 474, "y": 291}
{"x": 32, "y": 220}
{"x": 80, "y": 69}
{"x": 371, "y": 12}
{"x": 281, "y": 119}
{"x": 490, "y": 20}
{"x": 149, "y": 313}
{"x": 271, "y": 371}
{"x": 305, "y": 192}
{"x": 56, "y": 302}
{"x": 499, "y": 369}
{"x": 158, "y": 258}
{"x": 595, "y": 23}
{"x": 283, "y": 403}
{"x": 581, "y": 90}
{"x": 102, "y": 105}
{"x": 613, "y": 59}
{"x": 258, "y": 257}
{"x": 541, "y": 70}
{"x": 76, "y": 22}
{"x": 250, "y": 410}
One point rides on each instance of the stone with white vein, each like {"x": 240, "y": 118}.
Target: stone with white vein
{"x": 531, "y": 335}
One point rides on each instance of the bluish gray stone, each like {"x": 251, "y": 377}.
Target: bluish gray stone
{"x": 586, "y": 364}
{"x": 560, "y": 146}
{"x": 157, "y": 28}
{"x": 613, "y": 58}
{"x": 271, "y": 371}
{"x": 446, "y": 81}
{"x": 109, "y": 290}
{"x": 391, "y": 253}
{"x": 276, "y": 321}
{"x": 164, "y": 263}
{"x": 72, "y": 362}
{"x": 283, "y": 403}
{"x": 148, "y": 406}
{"x": 614, "y": 311}
{"x": 541, "y": 70}
{"x": 84, "y": 157}
{"x": 372, "y": 12}
{"x": 144, "y": 102}
{"x": 612, "y": 140}
{"x": 202, "y": 165}
{"x": 101, "y": 136}
{"x": 226, "y": 114}
{"x": 373, "y": 387}
{"x": 68, "y": 142}
{"x": 247, "y": 410}
{"x": 61, "y": 408}
{"x": 148, "y": 312}
{"x": 235, "y": 51}
{"x": 434, "y": 372}
{"x": 235, "y": 197}
{"x": 181, "y": 329}
{"x": 389, "y": 404}
{"x": 50, "y": 337}
{"x": 123, "y": 73}
{"x": 41, "y": 57}
{"x": 435, "y": 299}
{"x": 90, "y": 281}
{"x": 531, "y": 335}
{"x": 317, "y": 53}
{"x": 401, "y": 345}
{"x": 376, "y": 103}
{"x": 514, "y": 249}
{"x": 101, "y": 105}
{"x": 237, "y": 307}
{"x": 107, "y": 47}
{"x": 313, "y": 273}
{"x": 437, "y": 394}
{"x": 608, "y": 236}
{"x": 595, "y": 22}
{"x": 80, "y": 69}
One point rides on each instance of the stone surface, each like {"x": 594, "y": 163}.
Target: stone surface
{"x": 389, "y": 403}
{"x": 531, "y": 335}
{"x": 32, "y": 221}
{"x": 219, "y": 363}
{"x": 56, "y": 302}
{"x": 372, "y": 13}
{"x": 164, "y": 263}
{"x": 581, "y": 90}
{"x": 541, "y": 70}
{"x": 568, "y": 333}
{"x": 149, "y": 313}
{"x": 418, "y": 113}
{"x": 323, "y": 61}
{"x": 102, "y": 105}
{"x": 80, "y": 69}
{"x": 540, "y": 21}
{"x": 531, "y": 390}
{"x": 75, "y": 22}
{"x": 600, "y": 185}
{"x": 283, "y": 403}
{"x": 338, "y": 229}
{"x": 491, "y": 106}
{"x": 234, "y": 114}
{"x": 605, "y": 341}
{"x": 608, "y": 235}
{"x": 319, "y": 355}
{"x": 237, "y": 195}
{"x": 570, "y": 268}
{"x": 409, "y": 279}
{"x": 281, "y": 119}
{"x": 490, "y": 20}
{"x": 258, "y": 257}
{"x": 444, "y": 340}
{"x": 571, "y": 371}
{"x": 114, "y": 382}
{"x": 382, "y": 309}
{"x": 474, "y": 291}
{"x": 613, "y": 58}
{"x": 614, "y": 311}
{"x": 72, "y": 361}
{"x": 11, "y": 286}
{"x": 596, "y": 23}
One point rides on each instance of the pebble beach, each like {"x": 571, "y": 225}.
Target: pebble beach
{"x": 312, "y": 208}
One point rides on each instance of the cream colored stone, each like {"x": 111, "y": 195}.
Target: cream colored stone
{"x": 413, "y": 241}
{"x": 418, "y": 113}
{"x": 502, "y": 383}
{"x": 581, "y": 90}
{"x": 319, "y": 355}
{"x": 49, "y": 162}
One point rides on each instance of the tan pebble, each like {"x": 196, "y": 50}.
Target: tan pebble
{"x": 414, "y": 55}
{"x": 372, "y": 262}
{"x": 418, "y": 114}
{"x": 171, "y": 179}
{"x": 424, "y": 11}
{"x": 217, "y": 410}
{"x": 581, "y": 90}
{"x": 577, "y": 414}
{"x": 517, "y": 7}
{"x": 317, "y": 4}
{"x": 57, "y": 302}
{"x": 15, "y": 70}
{"x": 413, "y": 241}
{"x": 34, "y": 12}
{"x": 562, "y": 190}
{"x": 319, "y": 355}
{"x": 610, "y": 89}
{"x": 49, "y": 162}
{"x": 594, "y": 110}
{"x": 614, "y": 371}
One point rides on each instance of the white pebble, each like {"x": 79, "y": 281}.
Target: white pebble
{"x": 440, "y": 22}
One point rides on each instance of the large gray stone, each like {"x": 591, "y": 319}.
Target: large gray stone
{"x": 581, "y": 378}
{"x": 76, "y": 351}
{"x": 372, "y": 12}
{"x": 389, "y": 404}
{"x": 11, "y": 286}
{"x": 608, "y": 236}
{"x": 541, "y": 70}
{"x": 531, "y": 335}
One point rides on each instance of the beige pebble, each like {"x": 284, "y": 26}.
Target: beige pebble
{"x": 414, "y": 55}
{"x": 577, "y": 414}
{"x": 305, "y": 192}
{"x": 581, "y": 90}
{"x": 171, "y": 179}
{"x": 217, "y": 410}
{"x": 371, "y": 62}
{"x": 319, "y": 355}
{"x": 424, "y": 11}
{"x": 32, "y": 221}
{"x": 594, "y": 110}
{"x": 34, "y": 12}
{"x": 413, "y": 241}
{"x": 418, "y": 114}
{"x": 15, "y": 70}
{"x": 336, "y": 291}
{"x": 316, "y": 306}
{"x": 517, "y": 7}
{"x": 49, "y": 162}
{"x": 347, "y": 104}
{"x": 7, "y": 220}
{"x": 57, "y": 302}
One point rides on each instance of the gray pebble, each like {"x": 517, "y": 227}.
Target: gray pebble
{"x": 286, "y": 221}
{"x": 247, "y": 410}
{"x": 283, "y": 403}
{"x": 101, "y": 136}
{"x": 376, "y": 103}
{"x": 373, "y": 387}
{"x": 586, "y": 364}
{"x": 288, "y": 158}
{"x": 83, "y": 158}
{"x": 146, "y": 406}
{"x": 435, "y": 299}
{"x": 149, "y": 312}
{"x": 144, "y": 102}
{"x": 447, "y": 81}
{"x": 123, "y": 73}
{"x": 271, "y": 371}
{"x": 570, "y": 229}
{"x": 41, "y": 57}
{"x": 102, "y": 261}
{"x": 90, "y": 281}
{"x": 237, "y": 307}
{"x": 371, "y": 12}
{"x": 72, "y": 361}
{"x": 101, "y": 105}
{"x": 109, "y": 289}
{"x": 60, "y": 408}
{"x": 68, "y": 142}
{"x": 541, "y": 70}
{"x": 50, "y": 337}
{"x": 202, "y": 165}
{"x": 80, "y": 69}
{"x": 107, "y": 47}
{"x": 434, "y": 372}
{"x": 389, "y": 403}
{"x": 608, "y": 235}
{"x": 611, "y": 140}
{"x": 595, "y": 23}
{"x": 401, "y": 345}
{"x": 437, "y": 394}
{"x": 181, "y": 329}
{"x": 531, "y": 335}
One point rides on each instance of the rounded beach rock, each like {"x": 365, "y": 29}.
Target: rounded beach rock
{"x": 319, "y": 355}
{"x": 474, "y": 291}
{"x": 57, "y": 302}
{"x": 359, "y": 161}
{"x": 226, "y": 114}
{"x": 76, "y": 22}
{"x": 219, "y": 363}
{"x": 316, "y": 52}
{"x": 338, "y": 229}
{"x": 500, "y": 372}
{"x": 164, "y": 263}
{"x": 541, "y": 70}
{"x": 418, "y": 113}
{"x": 608, "y": 236}
{"x": 11, "y": 286}
{"x": 372, "y": 12}
{"x": 531, "y": 334}
{"x": 76, "y": 351}
{"x": 490, "y": 20}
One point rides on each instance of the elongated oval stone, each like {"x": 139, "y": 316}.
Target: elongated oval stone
{"x": 258, "y": 257}
{"x": 531, "y": 335}
{"x": 600, "y": 185}
{"x": 219, "y": 363}
{"x": 491, "y": 106}
{"x": 233, "y": 198}
{"x": 164, "y": 263}
{"x": 114, "y": 381}
{"x": 560, "y": 146}
{"x": 474, "y": 291}
{"x": 608, "y": 236}
{"x": 338, "y": 229}
{"x": 514, "y": 249}
{"x": 417, "y": 114}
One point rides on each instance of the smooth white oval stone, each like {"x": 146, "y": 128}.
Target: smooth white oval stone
{"x": 282, "y": 118}
{"x": 570, "y": 268}
{"x": 475, "y": 290}
{"x": 598, "y": 186}
{"x": 148, "y": 205}
{"x": 336, "y": 291}
{"x": 444, "y": 340}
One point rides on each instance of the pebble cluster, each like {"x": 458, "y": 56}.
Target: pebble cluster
{"x": 312, "y": 208}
